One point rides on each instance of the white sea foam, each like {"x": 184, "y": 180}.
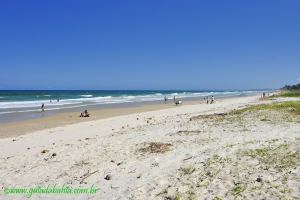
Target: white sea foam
{"x": 31, "y": 104}
{"x": 129, "y": 97}
{"x": 86, "y": 95}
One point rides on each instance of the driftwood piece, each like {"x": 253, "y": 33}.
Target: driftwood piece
{"x": 86, "y": 175}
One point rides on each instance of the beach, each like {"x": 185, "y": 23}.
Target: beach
{"x": 21, "y": 127}
{"x": 150, "y": 100}
{"x": 21, "y": 113}
{"x": 194, "y": 151}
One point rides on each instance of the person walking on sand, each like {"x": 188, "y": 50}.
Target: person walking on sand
{"x": 174, "y": 99}
{"x": 43, "y": 107}
{"x": 207, "y": 100}
{"x": 166, "y": 99}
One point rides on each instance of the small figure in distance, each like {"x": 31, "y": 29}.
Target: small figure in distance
{"x": 178, "y": 102}
{"x": 43, "y": 107}
{"x": 212, "y": 99}
{"x": 84, "y": 114}
{"x": 166, "y": 99}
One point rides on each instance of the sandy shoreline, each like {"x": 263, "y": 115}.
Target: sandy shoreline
{"x": 187, "y": 152}
{"x": 13, "y": 129}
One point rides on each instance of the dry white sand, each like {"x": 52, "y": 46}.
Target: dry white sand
{"x": 175, "y": 153}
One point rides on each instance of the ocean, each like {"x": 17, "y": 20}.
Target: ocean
{"x": 15, "y": 102}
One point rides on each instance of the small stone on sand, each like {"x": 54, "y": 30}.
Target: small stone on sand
{"x": 259, "y": 179}
{"x": 45, "y": 151}
{"x": 107, "y": 177}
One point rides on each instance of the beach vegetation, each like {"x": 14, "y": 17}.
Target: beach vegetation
{"x": 211, "y": 169}
{"x": 292, "y": 107}
{"x": 156, "y": 147}
{"x": 202, "y": 183}
{"x": 191, "y": 195}
{"x": 217, "y": 198}
{"x": 285, "y": 190}
{"x": 216, "y": 159}
{"x": 279, "y": 156}
{"x": 163, "y": 192}
{"x": 188, "y": 170}
{"x": 288, "y": 93}
{"x": 177, "y": 196}
{"x": 215, "y": 116}
{"x": 237, "y": 190}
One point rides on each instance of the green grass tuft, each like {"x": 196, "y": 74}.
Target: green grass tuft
{"x": 177, "y": 196}
{"x": 188, "y": 170}
{"x": 237, "y": 190}
{"x": 217, "y": 198}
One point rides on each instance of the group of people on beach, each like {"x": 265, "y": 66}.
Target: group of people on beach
{"x": 177, "y": 102}
{"x": 166, "y": 99}
{"x": 264, "y": 95}
{"x": 83, "y": 114}
{"x": 210, "y": 100}
{"x": 43, "y": 105}
{"x": 56, "y": 100}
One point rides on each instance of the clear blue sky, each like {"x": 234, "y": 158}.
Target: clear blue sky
{"x": 157, "y": 44}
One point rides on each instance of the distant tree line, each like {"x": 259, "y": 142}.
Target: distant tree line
{"x": 291, "y": 87}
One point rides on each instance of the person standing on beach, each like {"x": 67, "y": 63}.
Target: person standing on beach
{"x": 174, "y": 98}
{"x": 43, "y": 107}
{"x": 212, "y": 99}
{"x": 207, "y": 100}
{"x": 166, "y": 99}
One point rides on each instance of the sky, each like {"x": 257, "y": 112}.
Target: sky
{"x": 157, "y": 44}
